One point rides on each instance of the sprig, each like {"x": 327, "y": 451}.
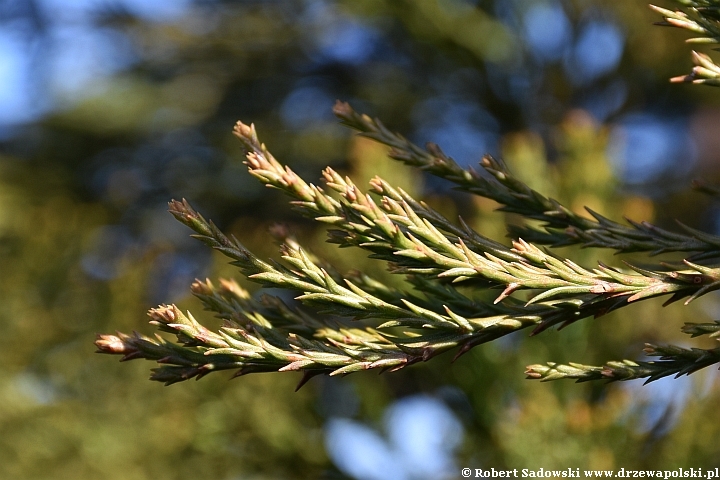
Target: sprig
{"x": 418, "y": 240}
{"x": 248, "y": 342}
{"x": 561, "y": 225}
{"x": 702, "y": 18}
{"x": 674, "y": 360}
{"x": 594, "y": 292}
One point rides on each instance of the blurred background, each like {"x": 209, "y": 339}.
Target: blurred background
{"x": 110, "y": 108}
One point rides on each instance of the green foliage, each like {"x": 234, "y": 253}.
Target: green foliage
{"x": 159, "y": 130}
{"x": 438, "y": 257}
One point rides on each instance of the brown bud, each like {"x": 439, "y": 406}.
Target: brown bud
{"x": 244, "y": 131}
{"x": 112, "y": 344}
{"x": 164, "y": 314}
{"x": 199, "y": 287}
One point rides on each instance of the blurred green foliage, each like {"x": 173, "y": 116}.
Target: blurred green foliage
{"x": 86, "y": 247}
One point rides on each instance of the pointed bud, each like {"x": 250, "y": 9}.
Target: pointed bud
{"x": 164, "y": 315}
{"x": 112, "y": 344}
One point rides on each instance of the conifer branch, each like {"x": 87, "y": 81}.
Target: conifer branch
{"x": 593, "y": 293}
{"x": 561, "y": 225}
{"x": 702, "y": 18}
{"x": 393, "y": 231}
{"x": 318, "y": 336}
{"x": 268, "y": 335}
{"x": 674, "y": 360}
